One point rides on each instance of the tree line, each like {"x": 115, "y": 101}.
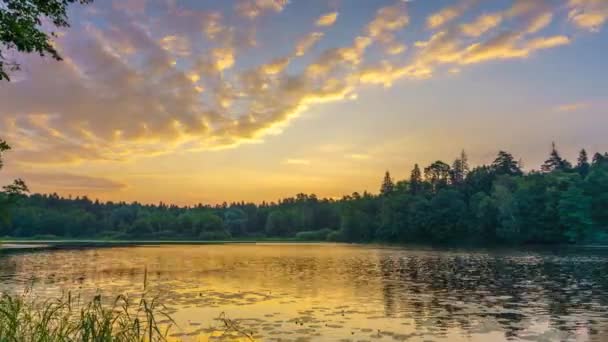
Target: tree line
{"x": 441, "y": 203}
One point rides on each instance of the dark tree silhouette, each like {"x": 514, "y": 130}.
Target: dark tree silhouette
{"x": 505, "y": 164}
{"x": 415, "y": 180}
{"x": 583, "y": 163}
{"x": 11, "y": 191}
{"x": 388, "y": 185}
{"x": 437, "y": 174}
{"x": 460, "y": 168}
{"x": 555, "y": 162}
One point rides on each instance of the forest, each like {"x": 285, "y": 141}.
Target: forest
{"x": 442, "y": 203}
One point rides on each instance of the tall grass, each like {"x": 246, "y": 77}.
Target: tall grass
{"x": 64, "y": 319}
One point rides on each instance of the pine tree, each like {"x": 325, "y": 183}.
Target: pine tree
{"x": 505, "y": 164}
{"x": 555, "y": 162}
{"x": 599, "y": 159}
{"x": 438, "y": 174}
{"x": 387, "y": 184}
{"x": 415, "y": 180}
{"x": 460, "y": 168}
{"x": 583, "y": 163}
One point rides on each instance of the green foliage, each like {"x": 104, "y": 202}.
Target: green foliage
{"x": 11, "y": 193}
{"x": 314, "y": 235}
{"x": 21, "y": 28}
{"x": 489, "y": 204}
{"x": 438, "y": 175}
{"x": 575, "y": 213}
{"x": 583, "y": 163}
{"x": 123, "y": 320}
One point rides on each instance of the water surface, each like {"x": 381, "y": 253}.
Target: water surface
{"x": 325, "y": 292}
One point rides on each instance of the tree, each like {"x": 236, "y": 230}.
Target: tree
{"x": 555, "y": 162}
{"x": 505, "y": 164}
{"x": 447, "y": 215}
{"x": 583, "y": 163}
{"x": 21, "y": 28}
{"x": 12, "y": 191}
{"x": 599, "y": 159}
{"x": 388, "y": 185}
{"x": 460, "y": 169}
{"x": 415, "y": 180}
{"x": 236, "y": 221}
{"x": 509, "y": 228}
{"x": 438, "y": 174}
{"x": 575, "y": 213}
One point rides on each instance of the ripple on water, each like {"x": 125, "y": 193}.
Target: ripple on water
{"x": 328, "y": 293}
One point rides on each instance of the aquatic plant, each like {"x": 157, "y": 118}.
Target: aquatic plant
{"x": 22, "y": 319}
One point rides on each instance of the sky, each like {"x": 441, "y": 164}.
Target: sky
{"x": 201, "y": 101}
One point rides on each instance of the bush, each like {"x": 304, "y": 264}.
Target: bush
{"x": 314, "y": 235}
{"x": 335, "y": 236}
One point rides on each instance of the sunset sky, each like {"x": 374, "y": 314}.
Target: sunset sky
{"x": 210, "y": 101}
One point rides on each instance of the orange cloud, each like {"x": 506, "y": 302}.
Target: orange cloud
{"x": 481, "y": 25}
{"x": 307, "y": 43}
{"x": 446, "y": 15}
{"x": 254, "y": 8}
{"x": 327, "y": 19}
{"x": 588, "y": 14}
{"x": 128, "y": 90}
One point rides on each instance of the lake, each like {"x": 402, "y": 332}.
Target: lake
{"x": 334, "y": 292}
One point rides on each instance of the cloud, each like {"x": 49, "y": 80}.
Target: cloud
{"x": 176, "y": 45}
{"x": 186, "y": 80}
{"x": 539, "y": 22}
{"x": 223, "y": 58}
{"x": 67, "y": 181}
{"x": 505, "y": 46}
{"x": 571, "y": 107}
{"x": 387, "y": 20}
{"x": 395, "y": 48}
{"x": 276, "y": 66}
{"x": 358, "y": 156}
{"x": 254, "y": 8}
{"x": 327, "y": 19}
{"x": 297, "y": 162}
{"x": 588, "y": 14}
{"x": 481, "y": 25}
{"x": 307, "y": 43}
{"x": 446, "y": 15}
{"x": 136, "y": 6}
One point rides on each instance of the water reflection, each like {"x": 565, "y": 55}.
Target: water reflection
{"x": 341, "y": 292}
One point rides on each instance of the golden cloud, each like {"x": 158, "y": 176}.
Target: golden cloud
{"x": 297, "y": 161}
{"x": 254, "y": 8}
{"x": 481, "y": 25}
{"x": 307, "y": 43}
{"x": 327, "y": 19}
{"x": 446, "y": 15}
{"x": 588, "y": 14}
{"x": 129, "y": 89}
{"x": 176, "y": 45}
{"x": 388, "y": 19}
{"x": 571, "y": 107}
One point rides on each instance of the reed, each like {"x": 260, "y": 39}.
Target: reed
{"x": 22, "y": 319}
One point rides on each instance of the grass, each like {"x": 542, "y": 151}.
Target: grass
{"x": 65, "y": 319}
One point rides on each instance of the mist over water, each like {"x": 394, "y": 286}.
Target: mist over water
{"x": 333, "y": 292}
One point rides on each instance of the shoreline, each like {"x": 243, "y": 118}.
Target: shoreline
{"x": 47, "y": 244}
